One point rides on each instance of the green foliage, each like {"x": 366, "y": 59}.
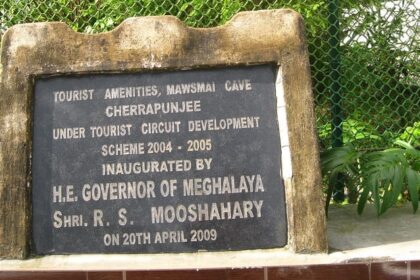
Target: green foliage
{"x": 103, "y": 15}
{"x": 380, "y": 176}
{"x": 411, "y": 135}
{"x": 380, "y": 73}
{"x": 356, "y": 132}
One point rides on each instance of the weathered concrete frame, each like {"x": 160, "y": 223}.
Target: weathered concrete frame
{"x": 150, "y": 44}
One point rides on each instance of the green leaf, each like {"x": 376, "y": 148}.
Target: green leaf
{"x": 389, "y": 199}
{"x": 376, "y": 198}
{"x": 362, "y": 200}
{"x": 403, "y": 144}
{"x": 340, "y": 159}
{"x": 413, "y": 182}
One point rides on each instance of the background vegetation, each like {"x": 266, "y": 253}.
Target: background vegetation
{"x": 377, "y": 70}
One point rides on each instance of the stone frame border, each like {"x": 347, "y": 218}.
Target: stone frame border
{"x": 161, "y": 43}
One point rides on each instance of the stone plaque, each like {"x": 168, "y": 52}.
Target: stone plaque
{"x": 176, "y": 161}
{"x": 118, "y": 142}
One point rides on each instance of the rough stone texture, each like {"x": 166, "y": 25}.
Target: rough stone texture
{"x": 143, "y": 44}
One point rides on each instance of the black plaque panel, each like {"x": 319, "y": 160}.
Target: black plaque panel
{"x": 157, "y": 162}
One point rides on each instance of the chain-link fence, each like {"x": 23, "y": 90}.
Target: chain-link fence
{"x": 364, "y": 54}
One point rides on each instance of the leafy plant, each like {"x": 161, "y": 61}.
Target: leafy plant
{"x": 412, "y": 135}
{"x": 354, "y": 131}
{"x": 379, "y": 176}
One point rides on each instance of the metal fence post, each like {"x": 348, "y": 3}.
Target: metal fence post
{"x": 335, "y": 86}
